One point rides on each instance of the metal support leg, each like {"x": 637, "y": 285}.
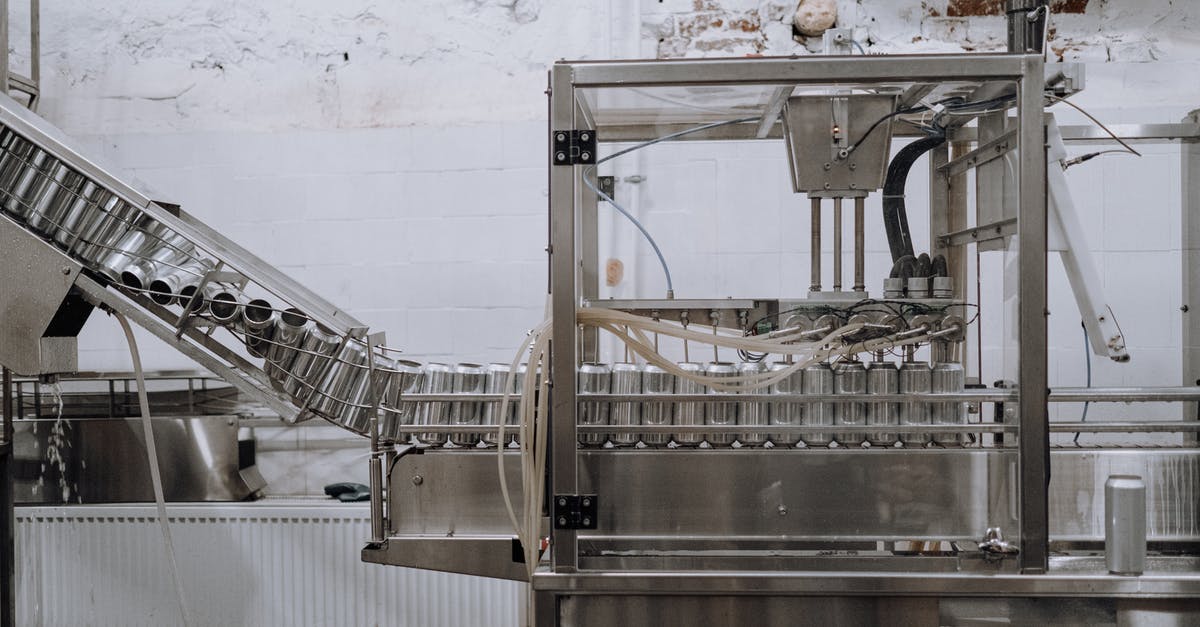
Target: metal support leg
{"x": 1034, "y": 451}
{"x": 815, "y": 284}
{"x": 8, "y": 604}
{"x": 837, "y": 244}
{"x": 860, "y": 208}
{"x": 1190, "y": 234}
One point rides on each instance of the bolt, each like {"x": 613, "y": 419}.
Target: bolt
{"x": 66, "y": 270}
{"x": 560, "y": 156}
{"x": 562, "y": 502}
{"x": 587, "y": 521}
{"x": 562, "y": 521}
{"x": 783, "y": 510}
{"x": 1001, "y": 147}
{"x": 828, "y": 166}
{"x": 827, "y": 186}
{"x": 586, "y": 156}
{"x": 843, "y": 153}
{"x": 1184, "y": 309}
{"x": 584, "y": 136}
{"x": 587, "y": 502}
{"x": 561, "y": 137}
{"x": 418, "y": 479}
{"x": 853, "y": 166}
{"x": 853, "y": 185}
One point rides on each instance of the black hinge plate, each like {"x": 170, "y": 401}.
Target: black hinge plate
{"x": 574, "y": 147}
{"x": 575, "y": 511}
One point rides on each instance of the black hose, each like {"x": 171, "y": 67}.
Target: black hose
{"x": 940, "y": 267}
{"x": 924, "y": 266}
{"x": 903, "y": 268}
{"x": 895, "y": 218}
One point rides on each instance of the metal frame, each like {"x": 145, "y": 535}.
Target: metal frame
{"x": 568, "y": 288}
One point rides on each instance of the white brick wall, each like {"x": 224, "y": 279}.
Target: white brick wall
{"x": 408, "y": 183}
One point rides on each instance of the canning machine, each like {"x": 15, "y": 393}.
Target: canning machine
{"x": 827, "y": 453}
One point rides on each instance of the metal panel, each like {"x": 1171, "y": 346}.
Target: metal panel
{"x": 269, "y": 563}
{"x": 36, "y": 279}
{"x": 705, "y": 611}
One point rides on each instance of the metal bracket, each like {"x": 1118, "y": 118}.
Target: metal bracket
{"x": 607, "y": 185}
{"x": 575, "y": 511}
{"x": 574, "y": 147}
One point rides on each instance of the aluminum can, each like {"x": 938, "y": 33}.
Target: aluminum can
{"x": 312, "y": 359}
{"x": 79, "y": 205}
{"x": 436, "y": 380}
{"x": 789, "y": 413}
{"x": 850, "y": 378}
{"x": 752, "y": 412}
{"x": 56, "y": 200}
{"x": 1125, "y": 524}
{"x": 514, "y": 410}
{"x": 947, "y": 378}
{"x": 406, "y": 378}
{"x": 31, "y": 179}
{"x": 689, "y": 412}
{"x": 723, "y": 413}
{"x": 882, "y": 378}
{"x": 104, "y": 227}
{"x": 656, "y": 381}
{"x": 593, "y": 379}
{"x": 290, "y": 329}
{"x": 467, "y": 379}
{"x": 818, "y": 379}
{"x": 914, "y": 379}
{"x": 494, "y": 378}
{"x": 626, "y": 379}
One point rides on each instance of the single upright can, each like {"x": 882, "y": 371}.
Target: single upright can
{"x": 1125, "y": 524}
{"x": 947, "y": 378}
{"x": 818, "y": 379}
{"x": 914, "y": 379}
{"x": 436, "y": 380}
{"x": 405, "y": 379}
{"x": 656, "y": 381}
{"x": 850, "y": 378}
{"x": 626, "y": 379}
{"x": 882, "y": 378}
{"x": 752, "y": 412}
{"x": 495, "y": 378}
{"x": 593, "y": 379}
{"x": 787, "y": 413}
{"x": 466, "y": 379}
{"x": 689, "y": 412}
{"x": 724, "y": 413}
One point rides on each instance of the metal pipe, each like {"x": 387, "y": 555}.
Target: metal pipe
{"x": 815, "y": 284}
{"x": 860, "y": 205}
{"x": 837, "y": 244}
{"x": 376, "y": 467}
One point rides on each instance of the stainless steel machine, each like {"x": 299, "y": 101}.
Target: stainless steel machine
{"x": 830, "y": 462}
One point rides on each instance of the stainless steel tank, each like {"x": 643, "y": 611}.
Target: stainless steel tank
{"x": 656, "y": 381}
{"x": 915, "y": 377}
{"x": 594, "y": 378}
{"x": 789, "y": 413}
{"x": 882, "y": 378}
{"x": 689, "y": 412}
{"x": 720, "y": 413}
{"x": 818, "y": 379}
{"x": 626, "y": 379}
{"x": 947, "y": 378}
{"x": 850, "y": 378}
{"x": 752, "y": 412}
{"x": 466, "y": 379}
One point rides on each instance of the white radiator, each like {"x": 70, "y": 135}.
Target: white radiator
{"x": 294, "y": 563}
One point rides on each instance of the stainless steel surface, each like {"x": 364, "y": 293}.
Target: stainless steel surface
{"x": 818, "y": 379}
{"x": 860, "y": 252}
{"x": 1125, "y": 525}
{"x": 466, "y": 379}
{"x": 914, "y": 377}
{"x": 855, "y": 161}
{"x": 656, "y": 381}
{"x": 722, "y": 413}
{"x": 756, "y": 413}
{"x": 626, "y": 379}
{"x": 594, "y": 378}
{"x": 882, "y": 378}
{"x": 850, "y": 378}
{"x": 35, "y": 289}
{"x": 435, "y": 380}
{"x": 485, "y": 556}
{"x": 837, "y": 244}
{"x": 815, "y": 245}
{"x": 696, "y": 309}
{"x": 104, "y": 461}
{"x": 947, "y": 377}
{"x": 786, "y": 413}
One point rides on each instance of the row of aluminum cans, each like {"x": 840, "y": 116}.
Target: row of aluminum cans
{"x": 463, "y": 378}
{"x": 880, "y": 377}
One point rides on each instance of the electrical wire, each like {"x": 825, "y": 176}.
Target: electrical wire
{"x": 591, "y": 170}
{"x": 859, "y": 46}
{"x": 155, "y": 474}
{"x": 1087, "y": 353}
{"x": 1089, "y": 116}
